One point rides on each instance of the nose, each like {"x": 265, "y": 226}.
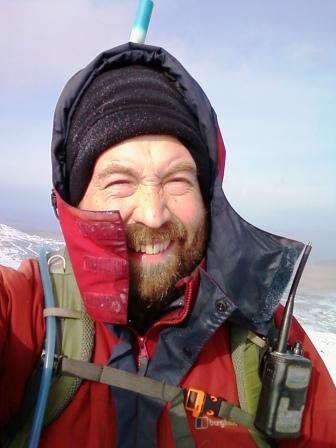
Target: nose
{"x": 151, "y": 208}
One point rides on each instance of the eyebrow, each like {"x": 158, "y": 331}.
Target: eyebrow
{"x": 116, "y": 168}
{"x": 180, "y": 167}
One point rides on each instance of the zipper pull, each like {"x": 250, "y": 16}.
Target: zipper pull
{"x": 143, "y": 358}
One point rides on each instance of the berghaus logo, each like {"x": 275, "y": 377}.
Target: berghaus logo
{"x": 206, "y": 422}
{"x": 201, "y": 423}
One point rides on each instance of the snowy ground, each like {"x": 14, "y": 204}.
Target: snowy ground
{"x": 325, "y": 343}
{"x": 315, "y": 304}
{"x": 315, "y": 309}
{"x": 16, "y": 245}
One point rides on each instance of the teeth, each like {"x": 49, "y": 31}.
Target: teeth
{"x": 153, "y": 248}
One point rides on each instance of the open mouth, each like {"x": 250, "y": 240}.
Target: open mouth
{"x": 152, "y": 248}
{"x": 154, "y": 251}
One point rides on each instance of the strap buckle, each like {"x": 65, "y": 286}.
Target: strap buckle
{"x": 201, "y": 403}
{"x": 194, "y": 401}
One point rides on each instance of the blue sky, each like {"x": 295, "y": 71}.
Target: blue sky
{"x": 268, "y": 67}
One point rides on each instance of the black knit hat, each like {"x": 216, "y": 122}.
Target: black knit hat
{"x": 123, "y": 103}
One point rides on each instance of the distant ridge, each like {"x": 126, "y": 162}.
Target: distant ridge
{"x": 16, "y": 245}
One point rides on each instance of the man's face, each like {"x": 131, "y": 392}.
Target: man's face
{"x": 152, "y": 181}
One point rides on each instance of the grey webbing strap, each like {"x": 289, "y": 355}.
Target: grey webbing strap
{"x": 154, "y": 389}
{"x": 139, "y": 384}
{"x": 235, "y": 414}
{"x": 63, "y": 312}
{"x": 179, "y": 422}
{"x": 119, "y": 378}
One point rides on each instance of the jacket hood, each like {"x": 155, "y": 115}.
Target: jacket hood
{"x": 252, "y": 267}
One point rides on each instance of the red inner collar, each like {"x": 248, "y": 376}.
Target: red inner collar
{"x": 98, "y": 253}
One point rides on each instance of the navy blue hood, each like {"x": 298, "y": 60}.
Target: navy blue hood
{"x": 252, "y": 267}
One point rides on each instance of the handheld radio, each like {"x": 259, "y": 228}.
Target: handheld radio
{"x": 286, "y": 376}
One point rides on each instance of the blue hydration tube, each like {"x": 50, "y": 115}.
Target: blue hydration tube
{"x": 141, "y": 22}
{"x": 48, "y": 365}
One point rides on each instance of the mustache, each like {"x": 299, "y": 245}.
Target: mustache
{"x": 139, "y": 234}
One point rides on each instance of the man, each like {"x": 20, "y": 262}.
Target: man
{"x": 165, "y": 267}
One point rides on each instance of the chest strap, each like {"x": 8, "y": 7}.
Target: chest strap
{"x": 196, "y": 401}
{"x": 139, "y": 384}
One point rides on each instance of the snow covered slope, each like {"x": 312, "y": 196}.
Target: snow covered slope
{"x": 16, "y": 245}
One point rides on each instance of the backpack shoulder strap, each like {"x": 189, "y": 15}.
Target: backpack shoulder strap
{"x": 245, "y": 354}
{"x": 76, "y": 329}
{"x": 75, "y": 340}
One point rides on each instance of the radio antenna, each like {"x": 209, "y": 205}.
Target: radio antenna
{"x": 288, "y": 313}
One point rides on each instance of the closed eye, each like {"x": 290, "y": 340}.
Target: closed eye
{"x": 120, "y": 188}
{"x": 178, "y": 185}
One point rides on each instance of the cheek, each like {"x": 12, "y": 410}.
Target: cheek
{"x": 189, "y": 210}
{"x": 125, "y": 206}
{"x": 102, "y": 202}
{"x": 93, "y": 203}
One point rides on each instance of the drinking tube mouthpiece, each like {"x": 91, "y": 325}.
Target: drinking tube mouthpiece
{"x": 141, "y": 23}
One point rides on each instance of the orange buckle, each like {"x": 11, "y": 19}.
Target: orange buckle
{"x": 195, "y": 401}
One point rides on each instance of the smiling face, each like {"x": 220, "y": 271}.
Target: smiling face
{"x": 152, "y": 181}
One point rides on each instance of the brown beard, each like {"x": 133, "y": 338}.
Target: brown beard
{"x": 152, "y": 286}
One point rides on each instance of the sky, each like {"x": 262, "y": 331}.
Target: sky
{"x": 268, "y": 67}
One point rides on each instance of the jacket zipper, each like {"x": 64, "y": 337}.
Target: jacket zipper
{"x": 143, "y": 357}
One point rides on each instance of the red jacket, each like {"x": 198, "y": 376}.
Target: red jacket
{"x": 89, "y": 420}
